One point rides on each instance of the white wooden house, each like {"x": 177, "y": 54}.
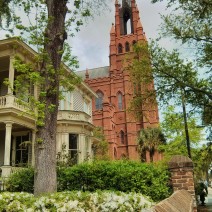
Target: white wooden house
{"x": 74, "y": 125}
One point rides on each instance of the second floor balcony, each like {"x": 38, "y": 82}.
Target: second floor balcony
{"x": 11, "y": 102}
{"x": 75, "y": 106}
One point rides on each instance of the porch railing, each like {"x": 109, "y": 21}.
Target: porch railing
{"x": 3, "y": 101}
{"x": 11, "y": 101}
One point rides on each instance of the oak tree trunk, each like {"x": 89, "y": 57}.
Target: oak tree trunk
{"x": 45, "y": 180}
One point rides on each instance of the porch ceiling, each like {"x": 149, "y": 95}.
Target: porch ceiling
{"x": 4, "y": 64}
{"x": 15, "y": 127}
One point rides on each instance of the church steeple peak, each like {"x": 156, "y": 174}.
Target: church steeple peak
{"x": 127, "y": 31}
{"x": 126, "y": 17}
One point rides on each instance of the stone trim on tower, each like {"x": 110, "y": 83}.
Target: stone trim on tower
{"x": 121, "y": 38}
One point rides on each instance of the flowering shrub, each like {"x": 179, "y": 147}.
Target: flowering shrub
{"x": 15, "y": 201}
{"x": 100, "y": 201}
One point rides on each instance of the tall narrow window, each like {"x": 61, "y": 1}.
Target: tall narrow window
{"x": 66, "y": 101}
{"x": 73, "y": 148}
{"x": 120, "y": 101}
{"x": 129, "y": 27}
{"x": 21, "y": 150}
{"x": 127, "y": 47}
{"x": 99, "y": 100}
{"x": 127, "y": 21}
{"x": 120, "y": 48}
{"x": 122, "y": 137}
{"x": 86, "y": 106}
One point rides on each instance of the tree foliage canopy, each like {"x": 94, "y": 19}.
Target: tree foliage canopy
{"x": 189, "y": 23}
{"x": 149, "y": 140}
{"x": 172, "y": 74}
{"x": 173, "y": 128}
{"x": 203, "y": 160}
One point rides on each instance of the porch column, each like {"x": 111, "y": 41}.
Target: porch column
{"x": 33, "y": 147}
{"x": 11, "y": 75}
{"x": 89, "y": 148}
{"x": 7, "y": 144}
{"x": 13, "y": 150}
{"x": 58, "y": 142}
{"x": 81, "y": 148}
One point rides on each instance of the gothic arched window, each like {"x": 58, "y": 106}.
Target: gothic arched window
{"x": 99, "y": 100}
{"x": 127, "y": 47}
{"x": 122, "y": 137}
{"x": 120, "y": 101}
{"x": 120, "y": 48}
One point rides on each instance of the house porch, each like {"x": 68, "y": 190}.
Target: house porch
{"x": 16, "y": 147}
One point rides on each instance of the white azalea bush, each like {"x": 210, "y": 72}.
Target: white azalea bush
{"x": 100, "y": 201}
{"x": 15, "y": 201}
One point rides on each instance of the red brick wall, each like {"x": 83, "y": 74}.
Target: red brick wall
{"x": 182, "y": 177}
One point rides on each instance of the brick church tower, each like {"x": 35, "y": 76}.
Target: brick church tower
{"x": 114, "y": 89}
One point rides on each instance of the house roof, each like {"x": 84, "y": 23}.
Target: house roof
{"x": 95, "y": 72}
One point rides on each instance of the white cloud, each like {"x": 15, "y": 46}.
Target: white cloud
{"x": 91, "y": 44}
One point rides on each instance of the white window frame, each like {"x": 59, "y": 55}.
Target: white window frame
{"x": 66, "y": 103}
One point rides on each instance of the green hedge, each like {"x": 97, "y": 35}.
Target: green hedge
{"x": 123, "y": 176}
{"x": 126, "y": 176}
{"x": 21, "y": 180}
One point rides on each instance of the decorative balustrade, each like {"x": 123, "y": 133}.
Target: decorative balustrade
{"x": 11, "y": 101}
{"x": 74, "y": 116}
{"x": 2, "y": 101}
